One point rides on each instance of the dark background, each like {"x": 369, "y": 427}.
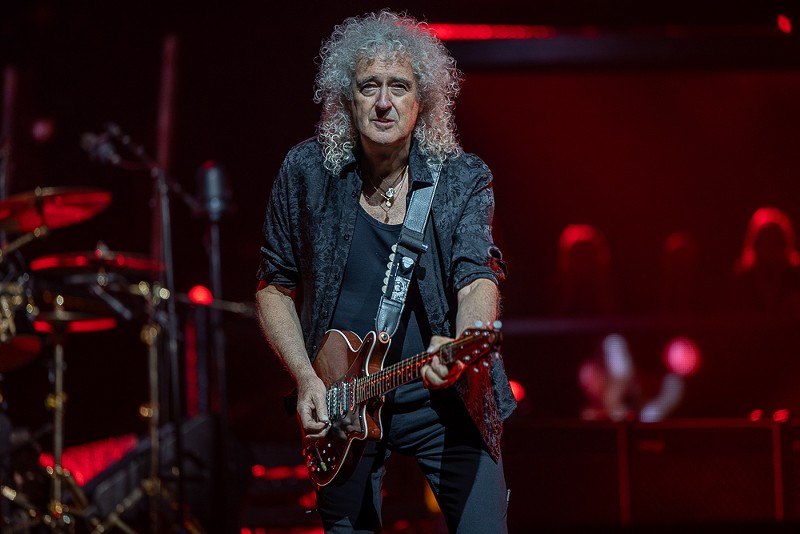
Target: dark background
{"x": 639, "y": 120}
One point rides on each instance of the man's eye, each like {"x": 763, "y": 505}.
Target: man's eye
{"x": 369, "y": 89}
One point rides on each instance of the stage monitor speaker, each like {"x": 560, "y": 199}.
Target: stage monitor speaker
{"x": 561, "y": 473}
{"x": 704, "y": 471}
{"x": 119, "y": 483}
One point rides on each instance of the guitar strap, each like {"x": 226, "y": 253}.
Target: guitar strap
{"x": 404, "y": 255}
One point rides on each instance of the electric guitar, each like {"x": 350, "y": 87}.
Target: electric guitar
{"x": 352, "y": 371}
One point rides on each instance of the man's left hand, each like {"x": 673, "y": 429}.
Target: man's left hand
{"x": 436, "y": 375}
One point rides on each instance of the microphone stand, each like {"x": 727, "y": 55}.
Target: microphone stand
{"x": 218, "y": 347}
{"x": 171, "y": 324}
{"x": 167, "y": 319}
{"x": 213, "y": 193}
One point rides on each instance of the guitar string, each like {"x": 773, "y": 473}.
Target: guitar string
{"x": 366, "y": 387}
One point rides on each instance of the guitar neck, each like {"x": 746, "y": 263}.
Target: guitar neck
{"x": 405, "y": 371}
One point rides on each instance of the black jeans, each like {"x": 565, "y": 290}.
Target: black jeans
{"x": 468, "y": 484}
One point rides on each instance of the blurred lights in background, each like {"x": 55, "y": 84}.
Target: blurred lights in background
{"x": 784, "y": 24}
{"x": 201, "y": 295}
{"x": 517, "y": 390}
{"x": 682, "y": 356}
{"x": 781, "y": 416}
{"x": 280, "y": 472}
{"x": 43, "y": 129}
{"x": 485, "y": 32}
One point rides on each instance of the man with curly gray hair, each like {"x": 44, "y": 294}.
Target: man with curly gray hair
{"x": 335, "y": 217}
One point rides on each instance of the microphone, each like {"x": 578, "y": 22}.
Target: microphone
{"x": 213, "y": 192}
{"x": 100, "y": 148}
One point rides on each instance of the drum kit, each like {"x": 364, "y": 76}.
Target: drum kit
{"x": 41, "y": 304}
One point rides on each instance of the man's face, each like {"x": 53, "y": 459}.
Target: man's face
{"x": 385, "y": 104}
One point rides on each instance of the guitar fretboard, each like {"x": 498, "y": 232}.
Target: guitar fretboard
{"x": 403, "y": 372}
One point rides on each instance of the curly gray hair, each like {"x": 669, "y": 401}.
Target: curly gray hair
{"x": 370, "y": 36}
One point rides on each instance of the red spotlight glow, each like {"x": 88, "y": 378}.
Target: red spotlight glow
{"x": 517, "y": 390}
{"x": 780, "y": 416}
{"x": 81, "y": 325}
{"x": 280, "y": 472}
{"x": 682, "y": 356}
{"x": 485, "y": 32}
{"x": 785, "y": 24}
{"x": 308, "y": 501}
{"x": 756, "y": 415}
{"x": 258, "y": 471}
{"x": 87, "y": 460}
{"x": 201, "y": 295}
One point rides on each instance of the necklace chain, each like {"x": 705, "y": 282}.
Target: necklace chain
{"x": 391, "y": 193}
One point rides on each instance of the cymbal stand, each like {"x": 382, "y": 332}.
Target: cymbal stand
{"x": 152, "y": 485}
{"x": 56, "y": 403}
{"x": 153, "y": 488}
{"x": 59, "y": 516}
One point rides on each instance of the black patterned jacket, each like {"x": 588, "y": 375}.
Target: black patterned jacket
{"x": 307, "y": 232}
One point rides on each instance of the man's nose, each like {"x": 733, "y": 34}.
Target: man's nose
{"x": 384, "y": 101}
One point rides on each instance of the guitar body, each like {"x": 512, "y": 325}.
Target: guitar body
{"x": 342, "y": 359}
{"x": 356, "y": 382}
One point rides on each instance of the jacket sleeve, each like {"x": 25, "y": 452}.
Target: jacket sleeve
{"x": 278, "y": 262}
{"x": 474, "y": 253}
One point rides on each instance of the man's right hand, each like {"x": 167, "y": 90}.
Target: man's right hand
{"x": 312, "y": 410}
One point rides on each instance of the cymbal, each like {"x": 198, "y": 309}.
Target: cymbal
{"x": 99, "y": 260}
{"x": 70, "y": 321}
{"x": 50, "y": 206}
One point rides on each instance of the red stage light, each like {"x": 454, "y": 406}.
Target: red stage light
{"x": 201, "y": 295}
{"x": 517, "y": 390}
{"x": 258, "y": 471}
{"x": 682, "y": 356}
{"x": 280, "y": 472}
{"x": 780, "y": 416}
{"x": 80, "y": 325}
{"x": 485, "y": 32}
{"x": 785, "y": 24}
{"x": 86, "y": 461}
{"x": 308, "y": 501}
{"x": 756, "y": 415}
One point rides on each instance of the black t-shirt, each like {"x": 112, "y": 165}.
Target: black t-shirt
{"x": 360, "y": 296}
